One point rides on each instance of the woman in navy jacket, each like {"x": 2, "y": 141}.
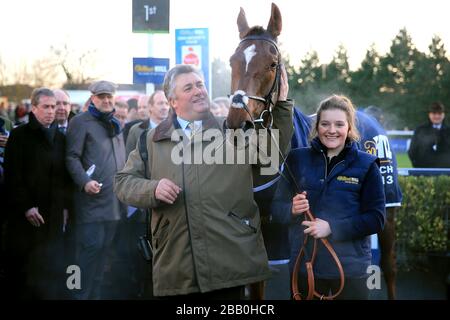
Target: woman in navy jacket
{"x": 344, "y": 190}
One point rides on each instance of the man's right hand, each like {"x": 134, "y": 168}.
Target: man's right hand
{"x": 167, "y": 191}
{"x": 34, "y": 217}
{"x": 92, "y": 187}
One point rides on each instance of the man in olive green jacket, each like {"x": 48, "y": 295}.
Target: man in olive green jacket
{"x": 205, "y": 224}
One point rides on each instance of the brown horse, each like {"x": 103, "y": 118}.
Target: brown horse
{"x": 255, "y": 77}
{"x": 255, "y": 67}
{"x": 255, "y": 72}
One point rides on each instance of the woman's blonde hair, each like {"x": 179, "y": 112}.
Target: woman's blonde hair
{"x": 340, "y": 103}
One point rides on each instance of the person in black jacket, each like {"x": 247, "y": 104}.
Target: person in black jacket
{"x": 430, "y": 145}
{"x": 36, "y": 181}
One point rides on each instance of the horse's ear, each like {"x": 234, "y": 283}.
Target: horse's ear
{"x": 242, "y": 24}
{"x": 275, "y": 23}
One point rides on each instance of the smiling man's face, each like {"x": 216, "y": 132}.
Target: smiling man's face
{"x": 191, "y": 101}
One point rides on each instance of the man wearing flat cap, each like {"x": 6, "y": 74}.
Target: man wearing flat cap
{"x": 95, "y": 152}
{"x": 430, "y": 145}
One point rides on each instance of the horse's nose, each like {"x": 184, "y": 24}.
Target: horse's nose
{"x": 247, "y": 125}
{"x": 239, "y": 100}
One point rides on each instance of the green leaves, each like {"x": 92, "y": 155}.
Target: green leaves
{"x": 402, "y": 81}
{"x": 421, "y": 221}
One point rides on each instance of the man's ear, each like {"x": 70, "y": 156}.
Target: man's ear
{"x": 172, "y": 103}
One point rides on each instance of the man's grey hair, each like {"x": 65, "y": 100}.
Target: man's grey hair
{"x": 63, "y": 91}
{"x": 38, "y": 93}
{"x": 172, "y": 74}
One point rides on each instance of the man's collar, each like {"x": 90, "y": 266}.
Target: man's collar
{"x": 34, "y": 122}
{"x": 62, "y": 125}
{"x": 436, "y": 126}
{"x": 166, "y": 127}
{"x": 152, "y": 123}
{"x": 184, "y": 123}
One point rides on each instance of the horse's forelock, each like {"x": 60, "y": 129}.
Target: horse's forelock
{"x": 256, "y": 31}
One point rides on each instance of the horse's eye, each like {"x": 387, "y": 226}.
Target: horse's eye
{"x": 273, "y": 65}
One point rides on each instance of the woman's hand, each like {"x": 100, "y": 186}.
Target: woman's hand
{"x": 318, "y": 228}
{"x": 300, "y": 204}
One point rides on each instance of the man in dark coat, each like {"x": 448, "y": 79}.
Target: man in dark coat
{"x": 36, "y": 180}
{"x": 95, "y": 152}
{"x": 430, "y": 145}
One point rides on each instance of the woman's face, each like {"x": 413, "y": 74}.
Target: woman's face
{"x": 333, "y": 130}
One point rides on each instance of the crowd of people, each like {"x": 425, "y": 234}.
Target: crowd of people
{"x": 75, "y": 191}
{"x": 59, "y": 208}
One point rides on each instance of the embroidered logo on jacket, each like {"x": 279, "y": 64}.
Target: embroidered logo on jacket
{"x": 350, "y": 180}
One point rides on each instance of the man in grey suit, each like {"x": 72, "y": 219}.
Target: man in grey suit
{"x": 95, "y": 152}
{"x": 154, "y": 112}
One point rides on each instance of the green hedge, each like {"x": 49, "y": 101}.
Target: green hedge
{"x": 421, "y": 223}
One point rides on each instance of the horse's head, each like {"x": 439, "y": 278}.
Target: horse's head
{"x": 255, "y": 69}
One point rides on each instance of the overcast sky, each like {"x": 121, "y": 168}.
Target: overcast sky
{"x": 29, "y": 27}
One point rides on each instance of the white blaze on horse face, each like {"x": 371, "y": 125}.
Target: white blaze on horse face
{"x": 249, "y": 54}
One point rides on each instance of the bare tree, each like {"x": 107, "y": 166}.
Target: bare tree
{"x": 3, "y": 73}
{"x": 21, "y": 74}
{"x": 44, "y": 73}
{"x": 37, "y": 73}
{"x": 76, "y": 66}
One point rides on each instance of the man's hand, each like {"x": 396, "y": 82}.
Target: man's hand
{"x": 3, "y": 140}
{"x": 284, "y": 85}
{"x": 318, "y": 228}
{"x": 92, "y": 187}
{"x": 300, "y": 204}
{"x": 167, "y": 191}
{"x": 34, "y": 217}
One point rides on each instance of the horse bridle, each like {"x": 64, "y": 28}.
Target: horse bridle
{"x": 240, "y": 98}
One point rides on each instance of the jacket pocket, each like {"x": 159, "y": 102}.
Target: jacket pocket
{"x": 161, "y": 233}
{"x": 242, "y": 221}
{"x": 357, "y": 245}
